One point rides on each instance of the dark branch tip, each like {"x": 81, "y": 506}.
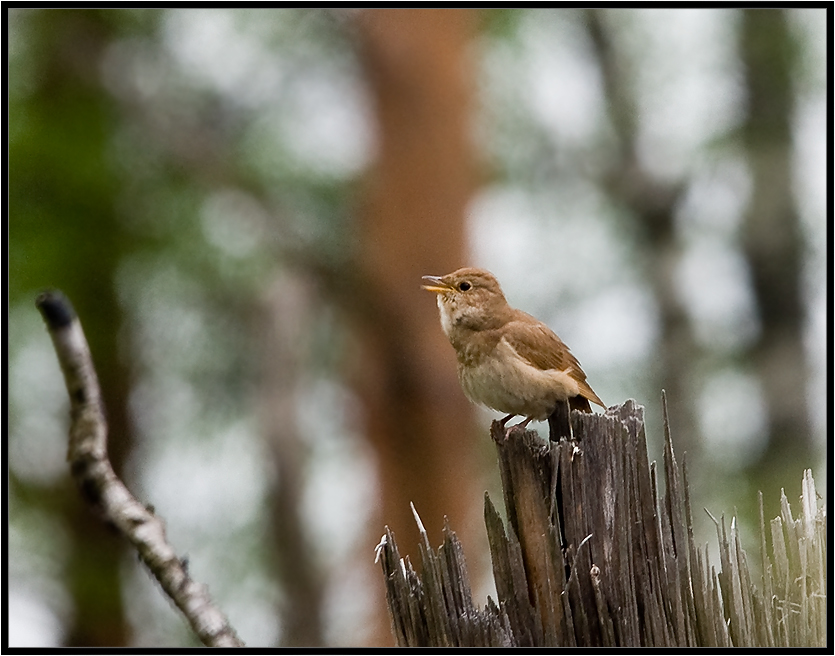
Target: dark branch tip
{"x": 55, "y": 308}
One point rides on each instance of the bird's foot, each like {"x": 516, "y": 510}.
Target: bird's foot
{"x": 521, "y": 426}
{"x": 503, "y": 426}
{"x": 498, "y": 431}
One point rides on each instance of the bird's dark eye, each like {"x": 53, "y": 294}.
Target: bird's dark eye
{"x": 464, "y": 286}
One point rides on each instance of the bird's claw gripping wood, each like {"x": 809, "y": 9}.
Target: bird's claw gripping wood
{"x": 507, "y": 430}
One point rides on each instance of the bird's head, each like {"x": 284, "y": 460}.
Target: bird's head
{"x": 470, "y": 299}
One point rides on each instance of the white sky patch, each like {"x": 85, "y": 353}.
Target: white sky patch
{"x": 208, "y": 46}
{"x": 38, "y": 401}
{"x": 716, "y": 198}
{"x": 562, "y": 82}
{"x": 312, "y": 106}
{"x": 191, "y": 483}
{"x": 233, "y": 222}
{"x": 39, "y": 604}
{"x": 617, "y": 327}
{"x": 732, "y": 437}
{"x": 251, "y": 607}
{"x": 810, "y": 176}
{"x": 340, "y": 491}
{"x": 713, "y": 280}
{"x": 326, "y": 124}
{"x": 811, "y": 184}
{"x": 340, "y": 495}
{"x": 31, "y": 622}
{"x": 688, "y": 83}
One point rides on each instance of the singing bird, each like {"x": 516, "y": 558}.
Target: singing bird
{"x": 507, "y": 360}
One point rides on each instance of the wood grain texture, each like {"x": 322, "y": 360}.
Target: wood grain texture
{"x": 598, "y": 551}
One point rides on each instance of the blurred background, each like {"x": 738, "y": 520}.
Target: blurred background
{"x": 240, "y": 204}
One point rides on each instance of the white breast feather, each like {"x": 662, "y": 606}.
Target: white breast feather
{"x": 446, "y": 320}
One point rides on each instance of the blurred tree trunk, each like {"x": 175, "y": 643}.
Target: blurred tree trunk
{"x": 74, "y": 242}
{"x": 773, "y": 246}
{"x": 285, "y": 318}
{"x": 651, "y": 202}
{"x": 411, "y": 223}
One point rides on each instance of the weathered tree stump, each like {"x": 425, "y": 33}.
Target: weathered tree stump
{"x": 596, "y": 553}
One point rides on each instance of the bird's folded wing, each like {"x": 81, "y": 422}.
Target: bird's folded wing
{"x": 543, "y": 349}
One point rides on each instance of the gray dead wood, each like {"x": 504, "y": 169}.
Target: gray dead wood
{"x": 597, "y": 550}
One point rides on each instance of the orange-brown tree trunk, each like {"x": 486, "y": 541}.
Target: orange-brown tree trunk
{"x": 411, "y": 222}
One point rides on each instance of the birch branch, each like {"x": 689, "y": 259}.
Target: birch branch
{"x": 103, "y": 490}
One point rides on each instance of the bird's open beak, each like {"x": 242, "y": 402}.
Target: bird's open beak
{"x": 437, "y": 285}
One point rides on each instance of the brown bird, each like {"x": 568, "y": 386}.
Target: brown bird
{"x": 507, "y": 359}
